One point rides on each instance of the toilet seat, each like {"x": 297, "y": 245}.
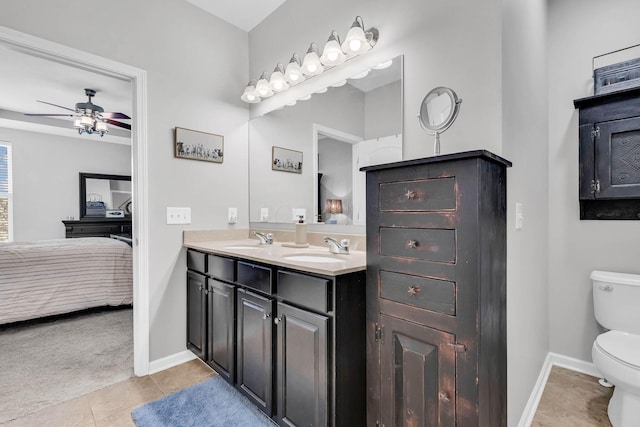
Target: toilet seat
{"x": 621, "y": 346}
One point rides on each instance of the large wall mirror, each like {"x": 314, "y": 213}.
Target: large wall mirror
{"x": 355, "y": 123}
{"x": 100, "y": 194}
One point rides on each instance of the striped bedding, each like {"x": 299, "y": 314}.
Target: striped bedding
{"x": 63, "y": 275}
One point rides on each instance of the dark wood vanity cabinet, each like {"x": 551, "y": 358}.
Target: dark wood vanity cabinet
{"x": 211, "y": 311}
{"x": 255, "y": 349}
{"x": 436, "y": 291}
{"x": 292, "y": 342}
{"x": 609, "y": 155}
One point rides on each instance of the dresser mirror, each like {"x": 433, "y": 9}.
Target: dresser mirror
{"x": 100, "y": 193}
{"x": 355, "y": 123}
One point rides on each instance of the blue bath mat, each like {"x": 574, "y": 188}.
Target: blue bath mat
{"x": 212, "y": 403}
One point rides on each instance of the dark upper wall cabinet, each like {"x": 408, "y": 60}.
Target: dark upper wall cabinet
{"x": 609, "y": 139}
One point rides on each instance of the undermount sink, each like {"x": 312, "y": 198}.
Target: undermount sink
{"x": 327, "y": 258}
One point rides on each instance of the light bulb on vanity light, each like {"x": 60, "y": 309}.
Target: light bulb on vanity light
{"x": 249, "y": 94}
{"x": 357, "y": 40}
{"x": 311, "y": 65}
{"x": 263, "y": 90}
{"x": 293, "y": 73}
{"x": 332, "y": 53}
{"x": 277, "y": 80}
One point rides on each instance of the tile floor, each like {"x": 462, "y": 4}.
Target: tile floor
{"x": 112, "y": 406}
{"x": 570, "y": 399}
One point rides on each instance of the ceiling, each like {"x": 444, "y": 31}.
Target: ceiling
{"x": 244, "y": 14}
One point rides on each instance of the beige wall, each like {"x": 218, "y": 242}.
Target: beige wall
{"x": 578, "y": 31}
{"x": 196, "y": 66}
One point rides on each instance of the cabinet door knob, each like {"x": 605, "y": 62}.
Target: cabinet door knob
{"x": 411, "y": 195}
{"x": 265, "y": 316}
{"x": 276, "y": 320}
{"x": 444, "y": 397}
{"x": 414, "y": 290}
{"x": 412, "y": 244}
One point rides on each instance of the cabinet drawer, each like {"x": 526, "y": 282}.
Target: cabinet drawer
{"x": 430, "y": 294}
{"x": 254, "y": 276}
{"x": 419, "y": 243}
{"x": 307, "y": 291}
{"x": 419, "y": 195}
{"x": 220, "y": 267}
{"x": 195, "y": 261}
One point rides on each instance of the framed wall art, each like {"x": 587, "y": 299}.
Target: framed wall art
{"x": 197, "y": 145}
{"x": 285, "y": 160}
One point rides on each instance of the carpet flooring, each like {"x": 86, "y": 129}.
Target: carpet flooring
{"x": 212, "y": 403}
{"x": 46, "y": 363}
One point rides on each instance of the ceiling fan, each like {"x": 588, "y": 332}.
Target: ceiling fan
{"x": 90, "y": 118}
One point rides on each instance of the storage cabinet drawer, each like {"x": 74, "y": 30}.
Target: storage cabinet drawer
{"x": 424, "y": 244}
{"x": 430, "y": 294}
{"x": 195, "y": 261}
{"x": 254, "y": 276}
{"x": 419, "y": 195}
{"x": 307, "y": 291}
{"x": 220, "y": 267}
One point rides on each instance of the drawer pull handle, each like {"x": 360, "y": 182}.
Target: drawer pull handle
{"x": 265, "y": 316}
{"x": 414, "y": 290}
{"x": 412, "y": 244}
{"x": 411, "y": 195}
{"x": 444, "y": 397}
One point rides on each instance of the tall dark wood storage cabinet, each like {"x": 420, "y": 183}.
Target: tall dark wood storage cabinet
{"x": 436, "y": 292}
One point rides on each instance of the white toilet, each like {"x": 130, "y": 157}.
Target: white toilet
{"x": 616, "y": 353}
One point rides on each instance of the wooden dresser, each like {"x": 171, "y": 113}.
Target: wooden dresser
{"x": 99, "y": 227}
{"x": 436, "y": 291}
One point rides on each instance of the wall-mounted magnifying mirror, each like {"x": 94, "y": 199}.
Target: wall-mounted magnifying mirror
{"x": 438, "y": 111}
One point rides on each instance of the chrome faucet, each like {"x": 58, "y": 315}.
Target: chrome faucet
{"x": 265, "y": 239}
{"x": 336, "y": 247}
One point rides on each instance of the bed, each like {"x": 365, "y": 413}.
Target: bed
{"x": 58, "y": 276}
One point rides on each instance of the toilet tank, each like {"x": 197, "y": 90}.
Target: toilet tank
{"x": 616, "y": 300}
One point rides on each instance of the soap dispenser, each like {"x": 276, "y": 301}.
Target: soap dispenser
{"x": 301, "y": 231}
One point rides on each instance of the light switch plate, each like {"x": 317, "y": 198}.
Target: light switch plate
{"x": 519, "y": 216}
{"x": 178, "y": 215}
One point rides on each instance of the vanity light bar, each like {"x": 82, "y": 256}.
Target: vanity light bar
{"x": 357, "y": 42}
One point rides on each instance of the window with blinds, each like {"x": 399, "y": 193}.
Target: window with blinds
{"x": 5, "y": 194}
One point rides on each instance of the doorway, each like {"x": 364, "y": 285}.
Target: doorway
{"x": 58, "y": 53}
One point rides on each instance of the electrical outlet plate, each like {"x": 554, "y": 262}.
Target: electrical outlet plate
{"x": 178, "y": 215}
{"x": 264, "y": 214}
{"x": 232, "y": 215}
{"x": 519, "y": 216}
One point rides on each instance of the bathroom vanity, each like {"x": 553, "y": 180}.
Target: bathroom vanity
{"x": 436, "y": 291}
{"x": 285, "y": 326}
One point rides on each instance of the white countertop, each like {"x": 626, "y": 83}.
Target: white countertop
{"x": 277, "y": 254}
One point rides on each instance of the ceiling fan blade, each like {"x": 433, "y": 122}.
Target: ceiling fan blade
{"x": 120, "y": 124}
{"x": 115, "y": 116}
{"x": 55, "y": 105}
{"x": 49, "y": 115}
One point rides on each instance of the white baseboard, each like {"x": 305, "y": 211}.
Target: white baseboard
{"x": 552, "y": 359}
{"x": 170, "y": 361}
